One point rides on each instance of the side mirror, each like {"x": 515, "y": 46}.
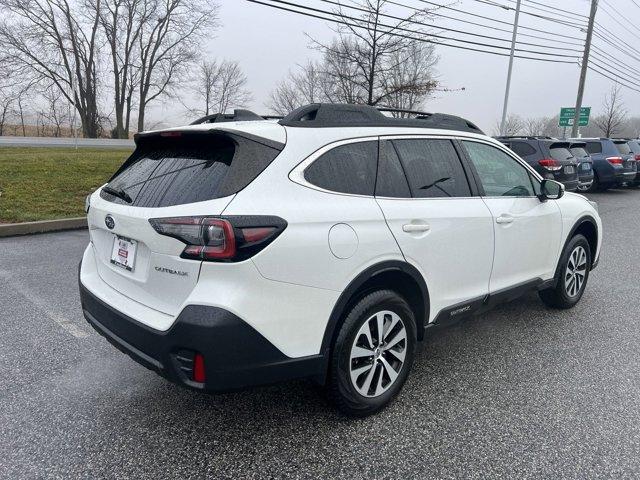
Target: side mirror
{"x": 551, "y": 190}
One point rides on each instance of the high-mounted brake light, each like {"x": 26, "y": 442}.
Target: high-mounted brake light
{"x": 171, "y": 134}
{"x": 220, "y": 238}
{"x": 550, "y": 164}
{"x": 614, "y": 160}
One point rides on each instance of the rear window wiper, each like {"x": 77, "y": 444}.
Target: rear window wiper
{"x": 118, "y": 192}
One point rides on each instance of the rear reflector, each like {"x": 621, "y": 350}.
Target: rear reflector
{"x": 198, "y": 368}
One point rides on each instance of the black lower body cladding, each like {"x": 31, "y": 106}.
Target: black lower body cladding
{"x": 235, "y": 354}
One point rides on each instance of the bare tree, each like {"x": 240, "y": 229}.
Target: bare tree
{"x": 365, "y": 59}
{"x": 57, "y": 42}
{"x": 612, "y": 121}
{"x": 122, "y": 22}
{"x": 410, "y": 80}
{"x": 514, "y": 125}
{"x": 168, "y": 45}
{"x": 308, "y": 85}
{"x": 6, "y": 101}
{"x": 535, "y": 126}
{"x": 219, "y": 87}
{"x": 57, "y": 114}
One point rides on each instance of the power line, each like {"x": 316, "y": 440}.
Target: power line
{"x": 503, "y": 22}
{"x": 487, "y": 37}
{"x": 611, "y": 76}
{"x": 600, "y": 31}
{"x": 554, "y": 8}
{"x": 331, "y": 18}
{"x": 605, "y": 10}
{"x": 542, "y": 17}
{"x": 358, "y": 22}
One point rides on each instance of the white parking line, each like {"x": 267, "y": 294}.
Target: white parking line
{"x": 68, "y": 325}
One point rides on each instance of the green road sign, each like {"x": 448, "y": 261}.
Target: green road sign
{"x": 567, "y": 114}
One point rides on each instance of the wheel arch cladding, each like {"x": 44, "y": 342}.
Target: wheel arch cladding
{"x": 398, "y": 276}
{"x": 587, "y": 227}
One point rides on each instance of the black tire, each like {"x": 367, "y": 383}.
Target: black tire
{"x": 558, "y": 297}
{"x": 595, "y": 186}
{"x": 340, "y": 389}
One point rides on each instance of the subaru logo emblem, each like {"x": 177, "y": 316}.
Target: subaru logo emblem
{"x": 109, "y": 222}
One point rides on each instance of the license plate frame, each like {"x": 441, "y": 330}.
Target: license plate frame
{"x": 123, "y": 252}
{"x": 585, "y": 167}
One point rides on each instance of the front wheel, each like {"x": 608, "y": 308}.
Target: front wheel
{"x": 373, "y": 354}
{"x": 574, "y": 273}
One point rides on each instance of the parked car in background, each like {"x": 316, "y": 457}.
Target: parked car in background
{"x": 549, "y": 156}
{"x": 585, "y": 165}
{"x": 613, "y": 162}
{"x": 634, "y": 145}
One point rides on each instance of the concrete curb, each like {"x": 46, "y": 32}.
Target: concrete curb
{"x": 43, "y": 226}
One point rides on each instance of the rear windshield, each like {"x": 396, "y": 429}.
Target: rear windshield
{"x": 166, "y": 171}
{"x": 623, "y": 148}
{"x": 634, "y": 146}
{"x": 579, "y": 152}
{"x": 560, "y": 153}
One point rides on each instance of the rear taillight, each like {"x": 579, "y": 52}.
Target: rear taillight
{"x": 214, "y": 239}
{"x": 637, "y": 157}
{"x": 550, "y": 164}
{"x": 614, "y": 160}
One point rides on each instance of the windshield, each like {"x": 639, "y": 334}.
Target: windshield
{"x": 579, "y": 152}
{"x": 560, "y": 153}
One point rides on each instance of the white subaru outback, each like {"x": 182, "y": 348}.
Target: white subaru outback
{"x": 241, "y": 251}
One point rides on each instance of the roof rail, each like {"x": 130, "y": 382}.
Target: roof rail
{"x": 319, "y": 115}
{"x": 525, "y": 137}
{"x": 238, "y": 115}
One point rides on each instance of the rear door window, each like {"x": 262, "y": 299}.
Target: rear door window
{"x": 168, "y": 171}
{"x": 433, "y": 168}
{"x": 391, "y": 181}
{"x": 349, "y": 168}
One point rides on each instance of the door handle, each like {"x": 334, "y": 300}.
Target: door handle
{"x": 504, "y": 219}
{"x": 416, "y": 227}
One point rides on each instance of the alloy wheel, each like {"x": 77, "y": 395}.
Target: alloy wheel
{"x": 378, "y": 353}
{"x": 576, "y": 271}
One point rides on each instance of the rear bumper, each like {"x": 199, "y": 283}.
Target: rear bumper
{"x": 235, "y": 354}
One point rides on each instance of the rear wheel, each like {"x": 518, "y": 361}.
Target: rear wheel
{"x": 595, "y": 185}
{"x": 574, "y": 273}
{"x": 373, "y": 354}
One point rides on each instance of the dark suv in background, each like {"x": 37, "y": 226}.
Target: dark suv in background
{"x": 585, "y": 165}
{"x": 613, "y": 162}
{"x": 550, "y": 157}
{"x": 634, "y": 145}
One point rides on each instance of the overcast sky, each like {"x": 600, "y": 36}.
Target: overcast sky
{"x": 267, "y": 43}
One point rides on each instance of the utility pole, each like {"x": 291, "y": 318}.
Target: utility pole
{"x": 585, "y": 65}
{"x": 508, "y": 88}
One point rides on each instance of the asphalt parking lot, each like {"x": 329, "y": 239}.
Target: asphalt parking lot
{"x": 520, "y": 392}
